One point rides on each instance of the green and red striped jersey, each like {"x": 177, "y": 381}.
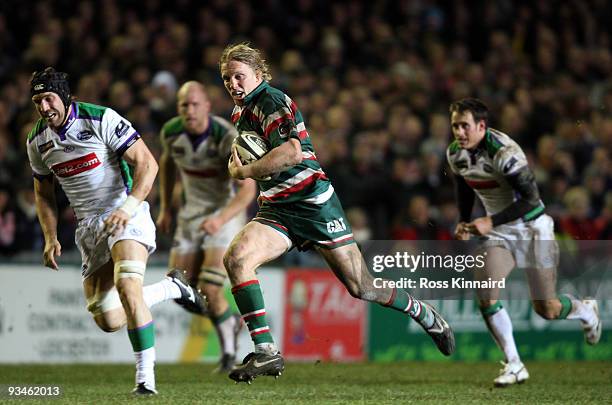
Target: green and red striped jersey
{"x": 272, "y": 115}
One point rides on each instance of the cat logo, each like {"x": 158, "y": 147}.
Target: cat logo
{"x": 336, "y": 225}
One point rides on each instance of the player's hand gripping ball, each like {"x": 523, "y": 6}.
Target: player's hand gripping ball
{"x": 251, "y": 147}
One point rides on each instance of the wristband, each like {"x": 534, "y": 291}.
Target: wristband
{"x": 130, "y": 205}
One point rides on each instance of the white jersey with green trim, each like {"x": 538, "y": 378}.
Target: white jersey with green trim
{"x": 486, "y": 167}
{"x": 202, "y": 163}
{"x": 85, "y": 157}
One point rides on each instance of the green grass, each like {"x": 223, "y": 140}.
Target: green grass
{"x": 380, "y": 383}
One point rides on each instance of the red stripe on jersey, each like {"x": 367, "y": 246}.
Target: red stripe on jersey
{"x": 297, "y": 187}
{"x": 246, "y": 283}
{"x": 250, "y": 115}
{"x": 303, "y": 134}
{"x": 275, "y": 124}
{"x": 235, "y": 117}
{"x": 202, "y": 173}
{"x": 482, "y": 184}
{"x": 274, "y": 223}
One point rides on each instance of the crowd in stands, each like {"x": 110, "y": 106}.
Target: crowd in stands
{"x": 373, "y": 79}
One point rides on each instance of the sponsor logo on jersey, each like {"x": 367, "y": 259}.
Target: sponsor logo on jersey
{"x": 68, "y": 148}
{"x": 286, "y": 128}
{"x": 39, "y": 87}
{"x": 121, "y": 129}
{"x": 45, "y": 147}
{"x": 84, "y": 135}
{"x": 509, "y": 165}
{"x": 461, "y": 164}
{"x": 76, "y": 166}
{"x": 336, "y": 225}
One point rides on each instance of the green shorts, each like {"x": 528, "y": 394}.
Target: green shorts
{"x": 307, "y": 224}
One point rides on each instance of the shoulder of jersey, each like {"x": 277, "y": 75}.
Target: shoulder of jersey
{"x": 496, "y": 141}
{"x": 90, "y": 111}
{"x": 39, "y": 127}
{"x": 453, "y": 148}
{"x": 173, "y": 127}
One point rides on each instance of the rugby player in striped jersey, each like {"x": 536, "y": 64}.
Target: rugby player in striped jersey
{"x": 487, "y": 163}
{"x": 297, "y": 208}
{"x": 92, "y": 152}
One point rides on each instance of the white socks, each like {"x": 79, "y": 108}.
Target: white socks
{"x": 583, "y": 312}
{"x": 145, "y": 364}
{"x": 225, "y": 330}
{"x": 500, "y": 326}
{"x": 269, "y": 348}
{"x": 159, "y": 292}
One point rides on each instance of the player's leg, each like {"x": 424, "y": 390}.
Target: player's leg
{"x": 349, "y": 266}
{"x": 227, "y": 323}
{"x": 105, "y": 305}
{"x": 254, "y": 245}
{"x": 184, "y": 262}
{"x": 542, "y": 276}
{"x": 546, "y": 303}
{"x": 499, "y": 263}
{"x": 130, "y": 258}
{"x": 103, "y": 300}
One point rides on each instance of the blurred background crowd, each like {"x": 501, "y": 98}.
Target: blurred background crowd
{"x": 373, "y": 79}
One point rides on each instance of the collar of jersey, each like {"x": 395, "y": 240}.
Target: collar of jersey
{"x": 71, "y": 118}
{"x": 262, "y": 86}
{"x": 196, "y": 140}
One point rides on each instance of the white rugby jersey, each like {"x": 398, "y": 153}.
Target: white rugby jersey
{"x": 85, "y": 157}
{"x": 202, "y": 163}
{"x": 485, "y": 168}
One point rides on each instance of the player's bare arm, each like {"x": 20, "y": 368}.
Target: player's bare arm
{"x": 167, "y": 177}
{"x": 46, "y": 209}
{"x": 244, "y": 195}
{"x": 277, "y": 160}
{"x": 145, "y": 169}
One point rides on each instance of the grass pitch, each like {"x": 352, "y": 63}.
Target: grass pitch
{"x": 391, "y": 383}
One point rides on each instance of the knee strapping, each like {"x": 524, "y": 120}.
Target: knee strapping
{"x": 129, "y": 269}
{"x": 103, "y": 301}
{"x": 213, "y": 276}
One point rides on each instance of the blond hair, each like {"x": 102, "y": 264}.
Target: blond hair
{"x": 252, "y": 57}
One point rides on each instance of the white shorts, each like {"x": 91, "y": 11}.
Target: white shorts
{"x": 532, "y": 243}
{"x": 95, "y": 245}
{"x": 189, "y": 237}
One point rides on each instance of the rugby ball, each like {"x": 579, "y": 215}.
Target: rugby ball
{"x": 251, "y": 147}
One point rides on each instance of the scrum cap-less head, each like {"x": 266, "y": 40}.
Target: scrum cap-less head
{"x": 49, "y": 80}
